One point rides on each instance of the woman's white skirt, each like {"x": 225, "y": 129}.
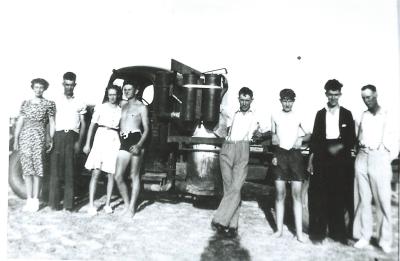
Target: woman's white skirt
{"x": 103, "y": 154}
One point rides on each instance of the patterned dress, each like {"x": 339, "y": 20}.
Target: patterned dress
{"x": 32, "y": 138}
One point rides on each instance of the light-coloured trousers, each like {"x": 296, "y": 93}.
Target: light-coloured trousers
{"x": 234, "y": 158}
{"x": 373, "y": 175}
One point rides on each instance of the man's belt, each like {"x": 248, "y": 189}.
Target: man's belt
{"x": 108, "y": 128}
{"x": 65, "y": 130}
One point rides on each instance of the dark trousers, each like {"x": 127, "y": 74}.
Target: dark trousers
{"x": 62, "y": 165}
{"x": 328, "y": 196}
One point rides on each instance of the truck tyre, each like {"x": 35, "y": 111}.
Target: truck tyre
{"x": 15, "y": 179}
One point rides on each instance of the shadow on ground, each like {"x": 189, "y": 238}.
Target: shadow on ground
{"x": 220, "y": 248}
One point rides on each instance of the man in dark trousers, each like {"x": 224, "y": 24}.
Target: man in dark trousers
{"x": 332, "y": 139}
{"x": 68, "y": 138}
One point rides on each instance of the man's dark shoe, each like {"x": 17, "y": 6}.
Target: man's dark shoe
{"x": 232, "y": 232}
{"x": 218, "y": 227}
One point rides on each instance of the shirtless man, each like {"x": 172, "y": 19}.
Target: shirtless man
{"x": 134, "y": 118}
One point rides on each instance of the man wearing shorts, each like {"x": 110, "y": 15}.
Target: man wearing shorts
{"x": 287, "y": 163}
{"x": 134, "y": 119}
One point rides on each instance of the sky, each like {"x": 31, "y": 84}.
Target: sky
{"x": 258, "y": 41}
{"x": 354, "y": 41}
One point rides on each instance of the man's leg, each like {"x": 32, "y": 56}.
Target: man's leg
{"x": 136, "y": 162}
{"x": 55, "y": 172}
{"x": 297, "y": 209}
{"x": 280, "y": 186}
{"x": 336, "y": 224}
{"x": 123, "y": 160}
{"x": 318, "y": 204}
{"x": 239, "y": 173}
{"x": 380, "y": 172}
{"x": 226, "y": 159}
{"x": 362, "y": 226}
{"x": 69, "y": 159}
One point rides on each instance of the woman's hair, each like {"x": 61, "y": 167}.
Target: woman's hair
{"x": 117, "y": 89}
{"x": 40, "y": 81}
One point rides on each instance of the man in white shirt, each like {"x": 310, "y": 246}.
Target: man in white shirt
{"x": 234, "y": 158}
{"x": 373, "y": 173}
{"x": 68, "y": 138}
{"x": 288, "y": 163}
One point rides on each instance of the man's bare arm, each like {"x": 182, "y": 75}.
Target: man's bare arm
{"x": 144, "y": 113}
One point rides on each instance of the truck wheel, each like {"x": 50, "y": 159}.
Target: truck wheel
{"x": 15, "y": 179}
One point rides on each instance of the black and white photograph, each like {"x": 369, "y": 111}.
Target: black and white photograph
{"x": 200, "y": 130}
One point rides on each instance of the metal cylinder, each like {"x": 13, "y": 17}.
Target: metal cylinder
{"x": 203, "y": 173}
{"x": 211, "y": 100}
{"x": 189, "y": 98}
{"x": 162, "y": 83}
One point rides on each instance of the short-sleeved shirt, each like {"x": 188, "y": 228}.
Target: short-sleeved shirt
{"x": 287, "y": 127}
{"x": 68, "y": 113}
{"x": 106, "y": 115}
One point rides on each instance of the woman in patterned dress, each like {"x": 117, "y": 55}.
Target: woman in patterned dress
{"x": 30, "y": 140}
{"x": 103, "y": 154}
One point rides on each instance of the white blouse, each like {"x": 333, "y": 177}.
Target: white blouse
{"x": 106, "y": 115}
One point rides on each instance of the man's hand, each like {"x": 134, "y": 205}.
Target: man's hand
{"x": 334, "y": 149}
{"x": 274, "y": 161}
{"x": 299, "y": 142}
{"x": 135, "y": 149}
{"x": 275, "y": 139}
{"x": 310, "y": 167}
{"x": 86, "y": 149}
{"x": 49, "y": 146}
{"x": 77, "y": 147}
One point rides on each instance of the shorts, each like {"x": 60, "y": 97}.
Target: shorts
{"x": 127, "y": 141}
{"x": 290, "y": 166}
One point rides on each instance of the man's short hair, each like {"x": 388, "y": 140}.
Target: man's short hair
{"x": 333, "y": 85}
{"x": 287, "y": 94}
{"x": 40, "y": 81}
{"x": 130, "y": 82}
{"x": 246, "y": 91}
{"x": 369, "y": 87}
{"x": 69, "y": 76}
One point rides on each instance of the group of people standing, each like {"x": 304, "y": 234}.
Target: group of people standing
{"x": 335, "y": 179}
{"x": 122, "y": 127}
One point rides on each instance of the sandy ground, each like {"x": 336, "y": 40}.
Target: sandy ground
{"x": 167, "y": 227}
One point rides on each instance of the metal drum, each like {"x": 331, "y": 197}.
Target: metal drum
{"x": 162, "y": 84}
{"x": 203, "y": 172}
{"x": 189, "y": 98}
{"x": 211, "y": 100}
